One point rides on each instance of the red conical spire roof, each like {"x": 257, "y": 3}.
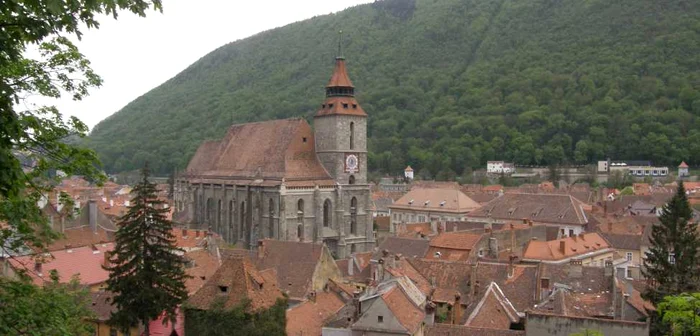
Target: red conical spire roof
{"x": 340, "y": 75}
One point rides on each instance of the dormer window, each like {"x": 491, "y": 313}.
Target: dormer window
{"x": 323, "y": 105}
{"x": 303, "y": 139}
{"x": 223, "y": 289}
{"x": 354, "y": 106}
{"x": 345, "y": 105}
{"x": 330, "y": 105}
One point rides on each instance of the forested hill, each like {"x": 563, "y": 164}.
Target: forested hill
{"x": 448, "y": 84}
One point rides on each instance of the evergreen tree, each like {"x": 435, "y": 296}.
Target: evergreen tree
{"x": 146, "y": 273}
{"x": 671, "y": 263}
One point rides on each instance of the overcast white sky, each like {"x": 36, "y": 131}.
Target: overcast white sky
{"x": 134, "y": 55}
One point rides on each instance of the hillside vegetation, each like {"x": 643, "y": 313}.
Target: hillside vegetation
{"x": 448, "y": 84}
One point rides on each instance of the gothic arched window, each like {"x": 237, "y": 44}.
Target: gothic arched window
{"x": 300, "y": 219}
{"x": 353, "y": 216}
{"x": 351, "y": 180}
{"x": 327, "y": 213}
{"x": 271, "y": 219}
{"x": 241, "y": 223}
{"x": 352, "y": 135}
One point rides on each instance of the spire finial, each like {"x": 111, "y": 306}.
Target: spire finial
{"x": 340, "y": 45}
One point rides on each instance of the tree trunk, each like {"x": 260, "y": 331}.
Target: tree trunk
{"x": 146, "y": 329}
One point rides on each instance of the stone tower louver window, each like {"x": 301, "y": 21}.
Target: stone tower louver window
{"x": 353, "y": 216}
{"x": 271, "y": 219}
{"x": 300, "y": 219}
{"x": 327, "y": 213}
{"x": 352, "y": 135}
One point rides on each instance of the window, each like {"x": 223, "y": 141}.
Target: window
{"x": 351, "y": 180}
{"x": 629, "y": 273}
{"x": 353, "y": 248}
{"x": 571, "y": 233}
{"x": 303, "y": 139}
{"x": 345, "y": 105}
{"x": 271, "y": 219}
{"x": 218, "y": 217}
{"x": 629, "y": 256}
{"x": 544, "y": 283}
{"x": 241, "y": 223}
{"x": 380, "y": 319}
{"x": 300, "y": 219}
{"x": 223, "y": 289}
{"x": 352, "y": 135}
{"x": 354, "y": 106}
{"x": 481, "y": 253}
{"x": 327, "y": 213}
{"x": 353, "y": 216}
{"x": 672, "y": 258}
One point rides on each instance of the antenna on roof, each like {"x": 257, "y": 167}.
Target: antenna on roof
{"x": 340, "y": 45}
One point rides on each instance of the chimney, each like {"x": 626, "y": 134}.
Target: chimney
{"x": 610, "y": 226}
{"x": 493, "y": 247}
{"x": 196, "y": 233}
{"x": 575, "y": 268}
{"x": 111, "y": 203}
{"x": 397, "y": 260}
{"x": 580, "y": 235}
{"x": 105, "y": 259}
{"x": 261, "y": 249}
{"x": 562, "y": 246}
{"x": 457, "y": 309}
{"x": 529, "y": 222}
{"x": 608, "y": 268}
{"x": 184, "y": 232}
{"x": 356, "y": 305}
{"x": 38, "y": 267}
{"x": 351, "y": 269}
{"x": 312, "y": 296}
{"x": 92, "y": 215}
{"x": 511, "y": 268}
{"x": 433, "y": 226}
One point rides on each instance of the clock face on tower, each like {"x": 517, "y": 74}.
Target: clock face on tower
{"x": 352, "y": 163}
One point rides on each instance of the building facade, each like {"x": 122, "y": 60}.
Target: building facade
{"x": 282, "y": 180}
{"x": 498, "y": 167}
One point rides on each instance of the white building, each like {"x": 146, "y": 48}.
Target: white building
{"x": 408, "y": 173}
{"x": 634, "y": 168}
{"x": 498, "y": 167}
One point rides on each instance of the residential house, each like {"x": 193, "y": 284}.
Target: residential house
{"x": 408, "y": 173}
{"x": 439, "y": 329}
{"x": 683, "y": 170}
{"x": 494, "y": 311}
{"x": 453, "y": 245}
{"x": 395, "y": 307}
{"x": 628, "y": 248}
{"x": 498, "y": 167}
{"x": 102, "y": 307}
{"x": 235, "y": 281}
{"x": 84, "y": 262}
{"x": 301, "y": 268}
{"x": 543, "y": 324}
{"x": 431, "y": 205}
{"x": 588, "y": 248}
{"x": 557, "y": 210}
{"x": 308, "y": 318}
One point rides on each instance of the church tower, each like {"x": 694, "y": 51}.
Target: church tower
{"x": 340, "y": 128}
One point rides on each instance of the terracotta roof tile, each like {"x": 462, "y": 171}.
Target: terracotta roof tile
{"x": 204, "y": 266}
{"x": 404, "y": 268}
{"x": 81, "y": 236}
{"x": 295, "y": 263}
{"x": 448, "y": 277}
{"x": 263, "y": 150}
{"x": 408, "y": 247}
{"x": 455, "y": 240}
{"x": 433, "y": 199}
{"x": 82, "y": 261}
{"x": 459, "y": 330}
{"x": 308, "y": 317}
{"x": 493, "y": 311}
{"x": 518, "y": 288}
{"x": 572, "y": 246}
{"x": 238, "y": 279}
{"x": 544, "y": 208}
{"x": 403, "y": 309}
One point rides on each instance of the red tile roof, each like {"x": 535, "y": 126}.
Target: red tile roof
{"x": 269, "y": 150}
{"x": 203, "y": 267}
{"x": 683, "y": 165}
{"x": 82, "y": 261}
{"x": 572, "y": 246}
{"x": 493, "y": 311}
{"x": 308, "y": 317}
{"x": 543, "y": 208}
{"x": 238, "y": 279}
{"x": 438, "y": 329}
{"x": 403, "y": 309}
{"x": 433, "y": 199}
{"x": 81, "y": 236}
{"x": 455, "y": 240}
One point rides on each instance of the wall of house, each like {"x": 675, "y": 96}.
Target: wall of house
{"x": 102, "y": 329}
{"x": 418, "y": 215}
{"x": 554, "y": 325}
{"x": 504, "y": 239}
{"x": 369, "y": 320}
{"x": 597, "y": 260}
{"x": 326, "y": 269}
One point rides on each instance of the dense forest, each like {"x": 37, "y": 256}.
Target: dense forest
{"x": 448, "y": 85}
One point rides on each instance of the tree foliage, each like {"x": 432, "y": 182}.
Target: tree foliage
{"x": 55, "y": 309}
{"x": 672, "y": 261}
{"x": 237, "y": 320}
{"x": 682, "y": 313}
{"x": 147, "y": 269}
{"x": 34, "y": 141}
{"x": 448, "y": 85}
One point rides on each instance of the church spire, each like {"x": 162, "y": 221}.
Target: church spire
{"x": 340, "y": 93}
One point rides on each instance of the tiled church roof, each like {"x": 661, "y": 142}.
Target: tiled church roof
{"x": 263, "y": 150}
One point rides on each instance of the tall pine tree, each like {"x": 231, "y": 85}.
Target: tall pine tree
{"x": 671, "y": 262}
{"x": 146, "y": 271}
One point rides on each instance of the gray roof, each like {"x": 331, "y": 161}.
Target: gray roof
{"x": 408, "y": 247}
{"x": 623, "y": 241}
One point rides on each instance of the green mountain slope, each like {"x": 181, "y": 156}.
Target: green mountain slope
{"x": 448, "y": 84}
